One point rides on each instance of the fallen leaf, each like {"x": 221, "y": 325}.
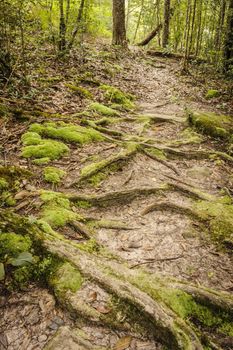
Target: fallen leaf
{"x": 92, "y": 296}
{"x": 123, "y": 343}
{"x": 103, "y": 309}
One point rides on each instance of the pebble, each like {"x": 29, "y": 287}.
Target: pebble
{"x": 42, "y": 338}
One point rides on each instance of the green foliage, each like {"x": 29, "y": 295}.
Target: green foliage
{"x": 12, "y": 244}
{"x": 53, "y": 175}
{"x": 3, "y": 184}
{"x": 103, "y": 110}
{"x": 115, "y": 95}
{"x": 67, "y": 132}
{"x": 31, "y": 138}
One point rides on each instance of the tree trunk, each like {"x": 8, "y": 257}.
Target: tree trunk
{"x": 228, "y": 48}
{"x": 78, "y": 21}
{"x": 62, "y": 28}
{"x": 151, "y": 35}
{"x": 119, "y": 30}
{"x": 167, "y": 5}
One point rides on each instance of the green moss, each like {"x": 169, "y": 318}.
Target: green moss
{"x": 79, "y": 90}
{"x": 103, "y": 110}
{"x": 67, "y": 132}
{"x": 66, "y": 278}
{"x": 41, "y": 161}
{"x": 12, "y": 244}
{"x": 183, "y": 304}
{"x": 189, "y": 136}
{"x": 56, "y": 210}
{"x": 31, "y": 138}
{"x": 3, "y": 184}
{"x": 53, "y": 175}
{"x": 212, "y": 124}
{"x": 157, "y": 153}
{"x": 211, "y": 94}
{"x": 219, "y": 215}
{"x": 83, "y": 204}
{"x": 45, "y": 149}
{"x": 115, "y": 95}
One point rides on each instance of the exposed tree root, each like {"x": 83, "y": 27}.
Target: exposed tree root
{"x": 162, "y": 161}
{"x": 117, "y": 196}
{"x": 95, "y": 168}
{"x": 166, "y": 205}
{"x": 142, "y": 291}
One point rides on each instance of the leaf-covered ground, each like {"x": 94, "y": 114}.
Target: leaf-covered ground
{"x": 142, "y": 181}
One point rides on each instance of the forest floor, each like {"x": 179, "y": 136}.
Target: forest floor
{"x": 147, "y": 230}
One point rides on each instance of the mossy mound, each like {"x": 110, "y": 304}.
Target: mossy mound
{"x": 66, "y": 278}
{"x": 115, "y": 95}
{"x": 12, "y": 244}
{"x": 53, "y": 175}
{"x": 66, "y": 132}
{"x": 219, "y": 215}
{"x": 56, "y": 210}
{"x": 103, "y": 110}
{"x": 43, "y": 149}
{"x": 79, "y": 90}
{"x": 212, "y": 94}
{"x": 220, "y": 126}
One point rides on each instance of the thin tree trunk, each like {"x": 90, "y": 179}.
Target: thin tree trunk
{"x": 78, "y": 21}
{"x": 62, "y": 34}
{"x": 151, "y": 35}
{"x": 167, "y": 8}
{"x": 119, "y": 30}
{"x": 199, "y": 24}
{"x": 139, "y": 20}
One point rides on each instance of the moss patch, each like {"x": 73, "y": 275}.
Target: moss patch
{"x": 220, "y": 126}
{"x": 157, "y": 153}
{"x": 79, "y": 90}
{"x": 53, "y": 175}
{"x": 67, "y": 132}
{"x": 12, "y": 244}
{"x": 103, "y": 110}
{"x": 219, "y": 215}
{"x": 56, "y": 210}
{"x": 212, "y": 94}
{"x": 117, "y": 96}
{"x": 42, "y": 149}
{"x": 66, "y": 278}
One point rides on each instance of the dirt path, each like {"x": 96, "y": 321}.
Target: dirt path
{"x": 161, "y": 239}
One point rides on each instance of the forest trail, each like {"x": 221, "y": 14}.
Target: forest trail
{"x": 137, "y": 198}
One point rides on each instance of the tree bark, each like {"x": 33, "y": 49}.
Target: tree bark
{"x": 228, "y": 47}
{"x": 62, "y": 28}
{"x": 151, "y": 35}
{"x": 167, "y": 8}
{"x": 78, "y": 21}
{"x": 119, "y": 29}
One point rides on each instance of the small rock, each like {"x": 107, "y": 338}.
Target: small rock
{"x": 54, "y": 326}
{"x": 42, "y": 338}
{"x": 58, "y": 320}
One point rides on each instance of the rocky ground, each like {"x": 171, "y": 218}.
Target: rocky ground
{"x": 147, "y": 231}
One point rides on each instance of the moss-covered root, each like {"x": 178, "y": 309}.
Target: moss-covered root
{"x": 220, "y": 126}
{"x": 94, "y": 168}
{"x": 166, "y": 308}
{"x": 169, "y": 307}
{"x": 216, "y": 214}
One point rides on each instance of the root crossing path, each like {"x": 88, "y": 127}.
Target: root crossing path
{"x": 143, "y": 264}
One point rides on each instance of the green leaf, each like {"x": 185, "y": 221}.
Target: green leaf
{"x": 2, "y": 272}
{"x": 22, "y": 259}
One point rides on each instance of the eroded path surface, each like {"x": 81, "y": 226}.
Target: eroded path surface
{"x": 146, "y": 230}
